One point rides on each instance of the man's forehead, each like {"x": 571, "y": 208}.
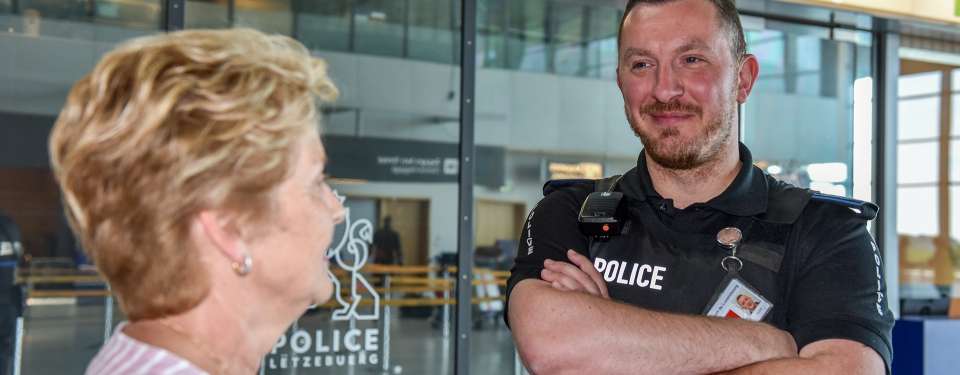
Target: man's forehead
{"x": 683, "y": 44}
{"x": 685, "y": 25}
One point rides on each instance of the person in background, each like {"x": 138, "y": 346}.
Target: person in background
{"x": 386, "y": 244}
{"x": 192, "y": 171}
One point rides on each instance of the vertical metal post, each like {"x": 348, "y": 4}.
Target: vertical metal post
{"x": 352, "y": 30}
{"x": 405, "y": 41}
{"x": 446, "y": 306}
{"x": 386, "y": 322}
{"x": 231, "y": 12}
{"x": 465, "y": 217}
{"x": 18, "y": 347}
{"x": 886, "y": 72}
{"x": 107, "y": 317}
{"x": 173, "y": 15}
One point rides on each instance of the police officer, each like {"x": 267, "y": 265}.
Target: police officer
{"x": 10, "y": 296}
{"x": 717, "y": 266}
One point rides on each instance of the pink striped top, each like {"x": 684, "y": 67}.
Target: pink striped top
{"x": 123, "y": 354}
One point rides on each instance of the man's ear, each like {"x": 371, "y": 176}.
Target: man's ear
{"x": 221, "y": 232}
{"x": 746, "y": 77}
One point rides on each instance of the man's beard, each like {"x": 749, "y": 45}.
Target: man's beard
{"x": 667, "y": 149}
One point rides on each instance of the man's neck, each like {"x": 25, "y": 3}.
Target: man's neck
{"x": 697, "y": 185}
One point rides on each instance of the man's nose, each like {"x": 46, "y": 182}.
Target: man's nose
{"x": 668, "y": 86}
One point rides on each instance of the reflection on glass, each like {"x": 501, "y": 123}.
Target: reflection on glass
{"x": 324, "y": 25}
{"x": 491, "y": 29}
{"x": 815, "y": 131}
{"x": 526, "y": 36}
{"x": 272, "y": 16}
{"x": 434, "y": 31}
{"x": 566, "y": 36}
{"x": 379, "y": 27}
{"x": 602, "y": 42}
{"x": 207, "y": 14}
{"x": 768, "y": 46}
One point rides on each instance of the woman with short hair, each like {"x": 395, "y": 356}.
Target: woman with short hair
{"x": 192, "y": 170}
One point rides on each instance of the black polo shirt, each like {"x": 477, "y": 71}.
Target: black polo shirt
{"x": 814, "y": 261}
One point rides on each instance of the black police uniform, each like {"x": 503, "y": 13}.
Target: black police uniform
{"x": 814, "y": 260}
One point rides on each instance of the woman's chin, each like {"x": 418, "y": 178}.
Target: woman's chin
{"x": 323, "y": 295}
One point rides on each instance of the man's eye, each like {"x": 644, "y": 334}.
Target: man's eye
{"x": 692, "y": 59}
{"x": 640, "y": 65}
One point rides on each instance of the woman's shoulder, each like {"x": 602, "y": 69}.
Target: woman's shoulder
{"x": 122, "y": 354}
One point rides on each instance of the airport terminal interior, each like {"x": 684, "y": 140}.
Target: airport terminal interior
{"x": 855, "y": 98}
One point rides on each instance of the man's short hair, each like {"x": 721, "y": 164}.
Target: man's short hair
{"x": 726, "y": 13}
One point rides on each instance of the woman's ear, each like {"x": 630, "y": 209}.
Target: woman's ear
{"x": 220, "y": 231}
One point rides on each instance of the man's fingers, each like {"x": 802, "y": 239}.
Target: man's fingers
{"x": 572, "y": 274}
{"x": 571, "y": 284}
{"x": 586, "y": 266}
{"x": 548, "y": 275}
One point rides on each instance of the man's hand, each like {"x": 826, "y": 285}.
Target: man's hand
{"x": 577, "y": 277}
{"x": 830, "y": 356}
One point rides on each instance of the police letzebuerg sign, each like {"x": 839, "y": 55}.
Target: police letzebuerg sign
{"x": 350, "y": 335}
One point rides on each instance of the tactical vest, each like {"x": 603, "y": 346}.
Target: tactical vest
{"x": 652, "y": 266}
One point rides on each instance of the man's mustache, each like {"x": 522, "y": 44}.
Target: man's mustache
{"x": 672, "y": 107}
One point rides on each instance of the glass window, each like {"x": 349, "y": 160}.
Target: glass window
{"x": 566, "y": 38}
{"x": 917, "y": 211}
{"x": 955, "y": 213}
{"x": 918, "y": 162}
{"x": 918, "y": 117}
{"x": 49, "y": 45}
{"x": 526, "y": 39}
{"x": 955, "y": 114}
{"x": 816, "y": 76}
{"x": 379, "y": 27}
{"x": 768, "y": 46}
{"x": 955, "y": 80}
{"x": 434, "y": 31}
{"x": 391, "y": 141}
{"x": 491, "y": 38}
{"x": 919, "y": 84}
{"x": 208, "y": 14}
{"x": 602, "y": 42}
{"x": 324, "y": 25}
{"x": 272, "y": 16}
{"x": 954, "y": 165}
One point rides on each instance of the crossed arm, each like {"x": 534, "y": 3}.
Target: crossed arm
{"x": 566, "y": 323}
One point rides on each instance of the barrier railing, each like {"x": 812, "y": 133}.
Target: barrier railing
{"x": 418, "y": 286}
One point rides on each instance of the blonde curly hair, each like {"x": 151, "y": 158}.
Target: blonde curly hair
{"x": 167, "y": 125}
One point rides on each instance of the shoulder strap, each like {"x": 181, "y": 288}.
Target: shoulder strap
{"x": 603, "y": 184}
{"x": 554, "y": 185}
{"x": 864, "y": 210}
{"x": 607, "y": 184}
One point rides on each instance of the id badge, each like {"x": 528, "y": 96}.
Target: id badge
{"x": 738, "y": 300}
